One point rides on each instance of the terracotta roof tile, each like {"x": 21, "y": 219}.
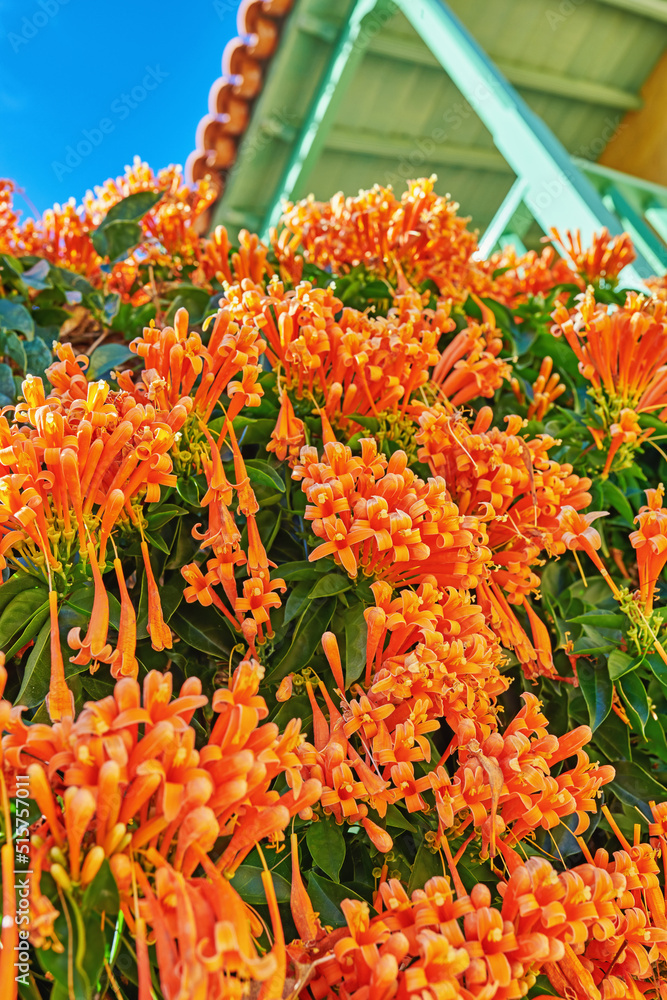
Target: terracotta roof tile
{"x": 244, "y": 63}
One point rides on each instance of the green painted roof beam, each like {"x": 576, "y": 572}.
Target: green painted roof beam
{"x": 557, "y": 193}
{"x": 501, "y": 221}
{"x": 540, "y": 80}
{"x": 654, "y": 9}
{"x": 656, "y": 213}
{"x": 511, "y": 239}
{"x": 411, "y": 50}
{"x": 348, "y": 52}
{"x": 391, "y": 146}
{"x": 645, "y": 241}
{"x": 603, "y": 176}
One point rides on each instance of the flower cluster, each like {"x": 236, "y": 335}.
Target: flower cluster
{"x": 340, "y": 505}
{"x": 622, "y": 354}
{"x": 124, "y": 783}
{"x": 420, "y": 235}
{"x": 594, "y": 930}
{"x": 604, "y": 259}
{"x": 516, "y": 491}
{"x": 377, "y": 516}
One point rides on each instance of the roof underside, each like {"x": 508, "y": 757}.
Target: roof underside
{"x": 401, "y": 116}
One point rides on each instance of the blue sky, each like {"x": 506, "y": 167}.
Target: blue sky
{"x": 104, "y": 80}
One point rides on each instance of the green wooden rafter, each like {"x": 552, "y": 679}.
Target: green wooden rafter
{"x": 549, "y": 182}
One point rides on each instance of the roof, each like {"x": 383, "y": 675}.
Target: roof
{"x": 580, "y": 67}
{"x": 244, "y": 63}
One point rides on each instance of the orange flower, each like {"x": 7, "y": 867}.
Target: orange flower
{"x": 157, "y": 628}
{"x": 123, "y": 661}
{"x": 60, "y": 700}
{"x": 625, "y": 431}
{"x": 339, "y": 544}
{"x": 94, "y": 646}
{"x": 288, "y": 435}
{"x": 606, "y": 257}
{"x": 650, "y": 544}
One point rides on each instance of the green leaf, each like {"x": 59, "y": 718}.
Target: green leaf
{"x": 32, "y": 627}
{"x": 370, "y": 423}
{"x": 171, "y": 595}
{"x": 655, "y": 734}
{"x": 188, "y": 489}
{"x": 157, "y": 542}
{"x": 189, "y": 297}
{"x": 105, "y": 358}
{"x": 355, "y": 643}
{"x": 301, "y": 570}
{"x": 248, "y": 884}
{"x": 603, "y": 619}
{"x": 397, "y": 820}
{"x": 37, "y": 674}
{"x": 204, "y": 629}
{"x": 80, "y": 602}
{"x": 593, "y": 641}
{"x": 616, "y": 498}
{"x": 111, "y": 307}
{"x": 131, "y": 209}
{"x": 14, "y": 348}
{"x": 35, "y": 277}
{"x": 250, "y": 431}
{"x": 307, "y": 637}
{"x": 425, "y": 866}
{"x": 597, "y": 690}
{"x": 329, "y": 585}
{"x": 613, "y": 738}
{"x": 77, "y": 942}
{"x": 18, "y": 611}
{"x": 658, "y": 666}
{"x": 545, "y": 988}
{"x": 163, "y": 515}
{"x": 268, "y": 521}
{"x": 10, "y": 267}
{"x": 635, "y": 787}
{"x": 14, "y": 316}
{"x": 102, "y": 896}
{"x": 296, "y": 601}
{"x": 49, "y": 316}
{"x": 326, "y": 844}
{"x": 15, "y": 585}
{"x": 120, "y": 228}
{"x": 621, "y": 663}
{"x": 326, "y": 897}
{"x": 38, "y": 357}
{"x": 116, "y": 238}
{"x": 472, "y": 872}
{"x": 7, "y": 385}
{"x": 70, "y": 280}
{"x": 263, "y": 474}
{"x": 636, "y": 701}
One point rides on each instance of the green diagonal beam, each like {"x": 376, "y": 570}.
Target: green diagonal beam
{"x": 557, "y": 193}
{"x": 500, "y": 223}
{"x": 348, "y": 52}
{"x": 643, "y": 238}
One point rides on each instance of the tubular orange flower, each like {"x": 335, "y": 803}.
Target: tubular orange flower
{"x": 577, "y": 533}
{"x": 123, "y": 661}
{"x": 625, "y": 431}
{"x": 158, "y": 630}
{"x": 288, "y": 436}
{"x": 94, "y": 646}
{"x": 650, "y": 544}
{"x": 606, "y": 257}
{"x": 60, "y": 700}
